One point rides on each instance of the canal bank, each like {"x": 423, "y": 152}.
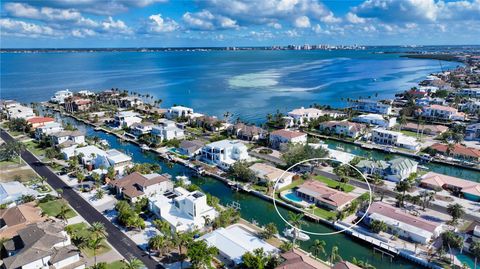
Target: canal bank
{"x": 253, "y": 208}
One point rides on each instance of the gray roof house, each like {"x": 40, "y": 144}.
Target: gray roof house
{"x": 42, "y": 245}
{"x": 190, "y": 148}
{"x": 394, "y": 170}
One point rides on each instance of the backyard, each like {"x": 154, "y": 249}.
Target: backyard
{"x": 53, "y": 208}
{"x": 334, "y": 184}
{"x": 80, "y": 230}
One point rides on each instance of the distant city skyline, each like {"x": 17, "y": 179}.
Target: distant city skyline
{"x": 217, "y": 23}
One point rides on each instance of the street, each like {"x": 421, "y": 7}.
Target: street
{"x": 122, "y": 243}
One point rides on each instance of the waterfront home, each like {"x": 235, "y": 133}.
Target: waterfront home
{"x": 224, "y": 153}
{"x": 234, "y": 241}
{"x": 190, "y": 148}
{"x": 86, "y": 93}
{"x": 343, "y": 128}
{"x": 13, "y": 219}
{"x": 371, "y": 106}
{"x": 394, "y": 170}
{"x": 301, "y": 116}
{"x": 376, "y": 119}
{"x": 298, "y": 259}
{"x": 75, "y": 137}
{"x": 435, "y": 181}
{"x": 42, "y": 245}
{"x": 471, "y": 106}
{"x": 130, "y": 102}
{"x": 434, "y": 129}
{"x": 20, "y": 112}
{"x": 314, "y": 191}
{"x": 48, "y": 129}
{"x": 135, "y": 186}
{"x": 183, "y": 210}
{"x": 75, "y": 104}
{"x": 470, "y": 92}
{"x": 12, "y": 192}
{"x": 210, "y": 123}
{"x": 7, "y": 104}
{"x": 345, "y": 265}
{"x": 141, "y": 128}
{"x": 86, "y": 154}
{"x": 60, "y": 96}
{"x": 179, "y": 112}
{"x": 472, "y": 132}
{"x": 392, "y": 138}
{"x": 36, "y": 122}
{"x": 247, "y": 132}
{"x": 126, "y": 119}
{"x": 279, "y": 138}
{"x": 444, "y": 113}
{"x": 270, "y": 174}
{"x": 167, "y": 130}
{"x": 113, "y": 158}
{"x": 402, "y": 224}
{"x": 457, "y": 151}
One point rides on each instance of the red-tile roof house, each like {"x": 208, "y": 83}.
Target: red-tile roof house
{"x": 279, "y": 137}
{"x": 296, "y": 259}
{"x": 39, "y": 121}
{"x": 470, "y": 189}
{"x": 458, "y": 151}
{"x": 136, "y": 185}
{"x": 345, "y": 265}
{"x": 322, "y": 195}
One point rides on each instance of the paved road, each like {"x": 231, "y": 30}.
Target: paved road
{"x": 121, "y": 242}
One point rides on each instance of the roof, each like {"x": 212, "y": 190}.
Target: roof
{"x": 17, "y": 217}
{"x": 345, "y": 265}
{"x": 236, "y": 240}
{"x": 68, "y": 133}
{"x": 380, "y": 164}
{"x": 269, "y": 172}
{"x": 247, "y": 130}
{"x": 440, "y": 180}
{"x": 191, "y": 144}
{"x": 117, "y": 156}
{"x": 400, "y": 216}
{"x": 457, "y": 149}
{"x": 287, "y": 133}
{"x": 226, "y": 143}
{"x": 433, "y": 128}
{"x": 444, "y": 108}
{"x": 301, "y": 111}
{"x": 132, "y": 183}
{"x": 35, "y": 120}
{"x": 296, "y": 259}
{"x": 11, "y": 191}
{"x": 402, "y": 163}
{"x": 354, "y": 125}
{"x": 325, "y": 194}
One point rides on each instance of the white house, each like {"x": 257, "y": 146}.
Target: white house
{"x": 394, "y": 170}
{"x": 283, "y": 137}
{"x": 402, "y": 224}
{"x": 224, "y": 153}
{"x": 126, "y": 118}
{"x": 135, "y": 186}
{"x": 76, "y": 137}
{"x": 267, "y": 173}
{"x": 179, "y": 111}
{"x": 48, "y": 129}
{"x": 439, "y": 112}
{"x": 11, "y": 192}
{"x": 376, "y": 119}
{"x": 392, "y": 138}
{"x": 302, "y": 115}
{"x": 234, "y": 241}
{"x": 118, "y": 160}
{"x": 472, "y": 132}
{"x": 139, "y": 129}
{"x": 371, "y": 106}
{"x": 471, "y": 106}
{"x": 470, "y": 92}
{"x": 167, "y": 130}
{"x": 88, "y": 153}
{"x": 42, "y": 245}
{"x": 344, "y": 128}
{"x": 183, "y": 210}
{"x": 60, "y": 96}
{"x": 20, "y": 112}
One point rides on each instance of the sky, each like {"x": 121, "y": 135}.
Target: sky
{"x": 220, "y": 23}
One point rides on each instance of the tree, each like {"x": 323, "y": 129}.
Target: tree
{"x": 456, "y": 211}
{"x": 378, "y": 226}
{"x": 97, "y": 229}
{"x": 286, "y": 246}
{"x": 158, "y": 243}
{"x": 201, "y": 255}
{"x": 335, "y": 255}
{"x": 63, "y": 213}
{"x": 297, "y": 221}
{"x": 27, "y": 198}
{"x": 402, "y": 186}
{"x": 240, "y": 171}
{"x": 426, "y": 197}
{"x": 451, "y": 240}
{"x": 269, "y": 231}
{"x": 51, "y": 153}
{"x": 80, "y": 177}
{"x": 362, "y": 264}
{"x": 318, "y": 247}
{"x": 133, "y": 264}
{"x": 258, "y": 259}
{"x": 95, "y": 243}
{"x": 11, "y": 150}
{"x": 99, "y": 194}
{"x": 163, "y": 226}
{"x": 475, "y": 251}
{"x": 300, "y": 152}
{"x": 182, "y": 240}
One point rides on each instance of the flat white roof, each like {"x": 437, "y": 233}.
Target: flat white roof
{"x": 117, "y": 156}
{"x": 226, "y": 144}
{"x": 236, "y": 240}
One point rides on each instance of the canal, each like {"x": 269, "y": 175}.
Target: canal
{"x": 263, "y": 212}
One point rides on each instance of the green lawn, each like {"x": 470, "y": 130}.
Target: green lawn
{"x": 409, "y": 133}
{"x": 33, "y": 147}
{"x": 294, "y": 184}
{"x": 323, "y": 213}
{"x": 333, "y": 183}
{"x": 115, "y": 265}
{"x": 81, "y": 230}
{"x": 52, "y": 208}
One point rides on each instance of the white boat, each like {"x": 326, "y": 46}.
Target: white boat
{"x": 423, "y": 167}
{"x": 183, "y": 179}
{"x": 292, "y": 231}
{"x": 145, "y": 147}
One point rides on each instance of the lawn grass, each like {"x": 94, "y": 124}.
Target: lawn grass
{"x": 409, "y": 133}
{"x": 333, "y": 183}
{"x": 52, "y": 208}
{"x": 115, "y": 265}
{"x": 33, "y": 147}
{"x": 81, "y": 230}
{"x": 323, "y": 213}
{"x": 294, "y": 184}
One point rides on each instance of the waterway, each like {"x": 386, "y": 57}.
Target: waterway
{"x": 263, "y": 212}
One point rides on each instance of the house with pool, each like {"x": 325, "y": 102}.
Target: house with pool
{"x": 435, "y": 181}
{"x": 316, "y": 192}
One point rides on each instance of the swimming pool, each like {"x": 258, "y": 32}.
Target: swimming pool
{"x": 466, "y": 259}
{"x": 292, "y": 197}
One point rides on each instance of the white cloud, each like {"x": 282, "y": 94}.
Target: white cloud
{"x": 83, "y": 33}
{"x": 26, "y": 11}
{"x": 115, "y": 26}
{"x": 205, "y": 20}
{"x": 275, "y": 25}
{"x": 353, "y": 18}
{"x": 160, "y": 25}
{"x": 21, "y": 28}
{"x": 302, "y": 22}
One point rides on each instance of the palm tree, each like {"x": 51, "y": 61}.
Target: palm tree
{"x": 158, "y": 243}
{"x": 297, "y": 221}
{"x": 163, "y": 227}
{"x": 475, "y": 250}
{"x": 201, "y": 254}
{"x": 427, "y": 197}
{"x": 402, "y": 187}
{"x": 133, "y": 263}
{"x": 456, "y": 211}
{"x": 318, "y": 247}
{"x": 334, "y": 255}
{"x": 182, "y": 240}
{"x": 95, "y": 243}
{"x": 97, "y": 229}
{"x": 62, "y": 214}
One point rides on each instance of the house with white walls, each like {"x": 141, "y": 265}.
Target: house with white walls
{"x": 136, "y": 186}
{"x": 60, "y": 96}
{"x": 167, "y": 130}
{"x": 48, "y": 129}
{"x": 126, "y": 119}
{"x": 392, "y": 138}
{"x": 372, "y": 106}
{"x": 376, "y": 120}
{"x": 224, "y": 153}
{"x": 75, "y": 137}
{"x": 179, "y": 112}
{"x": 279, "y": 138}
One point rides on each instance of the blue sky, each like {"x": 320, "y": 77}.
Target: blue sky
{"x": 166, "y": 23}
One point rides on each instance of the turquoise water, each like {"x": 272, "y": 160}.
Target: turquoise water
{"x": 468, "y": 260}
{"x": 248, "y": 84}
{"x": 293, "y": 197}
